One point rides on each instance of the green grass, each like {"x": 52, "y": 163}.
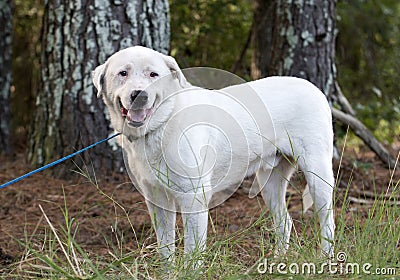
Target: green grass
{"x": 366, "y": 234}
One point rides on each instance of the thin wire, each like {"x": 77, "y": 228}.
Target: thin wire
{"x": 57, "y": 161}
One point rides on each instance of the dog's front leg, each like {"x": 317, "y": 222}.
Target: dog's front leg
{"x": 164, "y": 225}
{"x": 195, "y": 234}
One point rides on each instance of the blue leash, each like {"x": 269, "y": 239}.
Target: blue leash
{"x": 57, "y": 161}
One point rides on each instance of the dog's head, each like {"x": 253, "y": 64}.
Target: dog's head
{"x": 133, "y": 83}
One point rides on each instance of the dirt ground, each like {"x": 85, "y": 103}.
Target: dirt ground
{"x": 101, "y": 221}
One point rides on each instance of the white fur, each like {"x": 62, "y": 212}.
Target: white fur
{"x": 164, "y": 157}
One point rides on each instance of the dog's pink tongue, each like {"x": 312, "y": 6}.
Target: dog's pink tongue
{"x": 136, "y": 115}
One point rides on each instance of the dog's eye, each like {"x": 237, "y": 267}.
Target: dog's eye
{"x": 123, "y": 73}
{"x": 153, "y": 74}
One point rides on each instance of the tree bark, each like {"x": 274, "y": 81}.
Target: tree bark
{"x": 261, "y": 38}
{"x": 296, "y": 39}
{"x": 78, "y": 36}
{"x": 5, "y": 75}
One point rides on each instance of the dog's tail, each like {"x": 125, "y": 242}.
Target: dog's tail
{"x": 307, "y": 199}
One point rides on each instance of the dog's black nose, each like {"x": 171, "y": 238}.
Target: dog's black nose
{"x": 139, "y": 98}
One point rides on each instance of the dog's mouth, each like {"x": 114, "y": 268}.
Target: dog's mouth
{"x": 137, "y": 117}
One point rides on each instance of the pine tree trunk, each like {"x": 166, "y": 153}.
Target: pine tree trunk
{"x": 5, "y": 75}
{"x": 302, "y": 41}
{"x": 297, "y": 38}
{"x": 261, "y": 38}
{"x": 78, "y": 36}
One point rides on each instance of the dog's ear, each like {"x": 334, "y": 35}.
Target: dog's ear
{"x": 98, "y": 79}
{"x": 176, "y": 71}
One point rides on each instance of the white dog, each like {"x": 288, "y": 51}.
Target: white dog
{"x": 183, "y": 144}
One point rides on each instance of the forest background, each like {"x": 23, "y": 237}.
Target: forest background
{"x": 104, "y": 226}
{"x": 367, "y": 54}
